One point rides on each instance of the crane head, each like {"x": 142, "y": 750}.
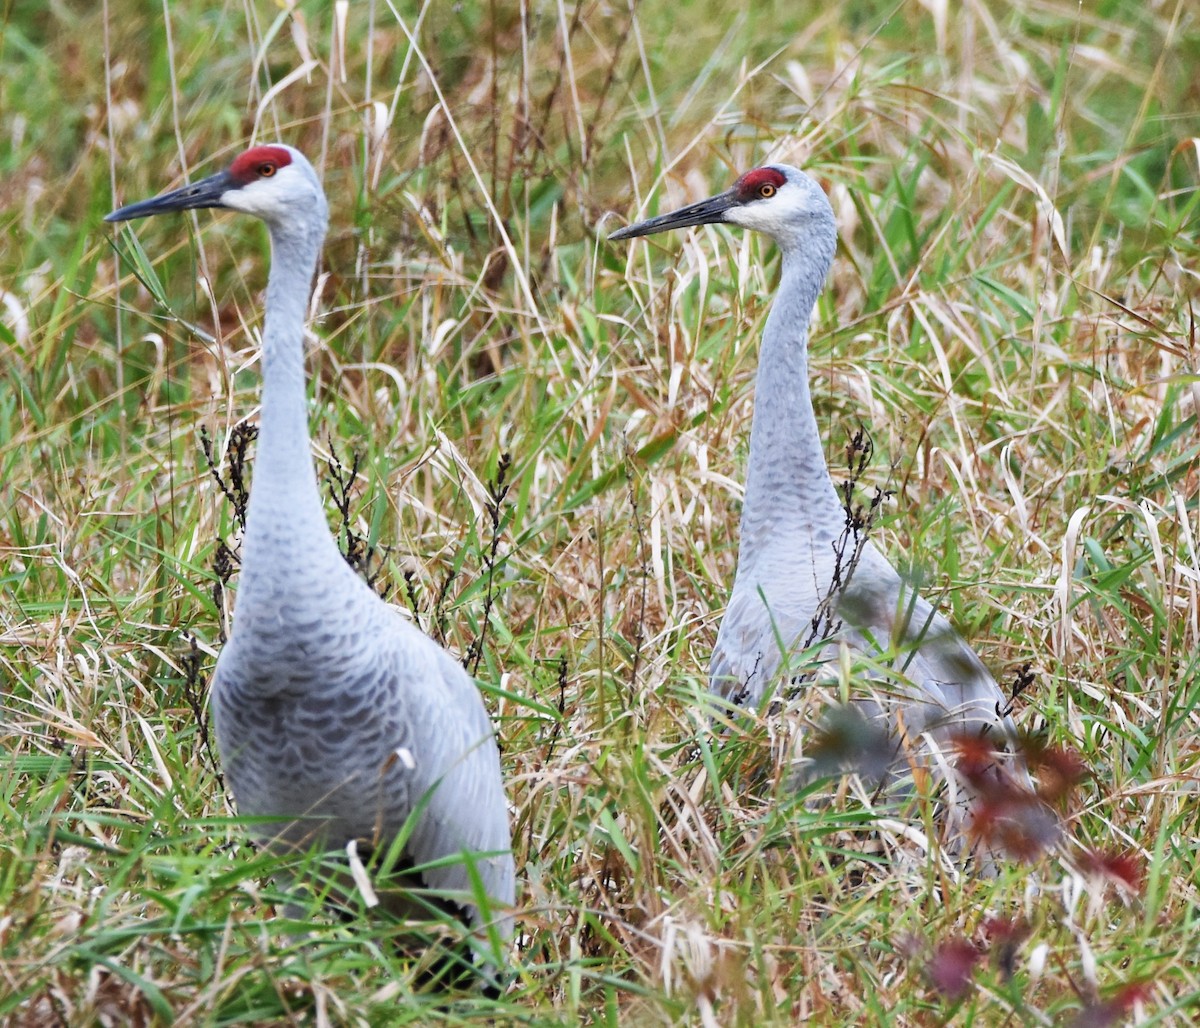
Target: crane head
{"x": 777, "y": 199}
{"x": 275, "y": 183}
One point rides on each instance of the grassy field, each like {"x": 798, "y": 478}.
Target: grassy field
{"x": 1011, "y": 316}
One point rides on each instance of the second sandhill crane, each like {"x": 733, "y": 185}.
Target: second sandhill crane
{"x": 337, "y": 721}
{"x": 796, "y": 572}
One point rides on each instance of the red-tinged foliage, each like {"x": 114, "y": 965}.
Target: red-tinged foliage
{"x": 1128, "y": 995}
{"x": 1005, "y": 936}
{"x": 1000, "y": 929}
{"x": 951, "y": 967}
{"x": 1015, "y": 822}
{"x": 1124, "y": 869}
{"x": 1058, "y": 769}
{"x": 1005, "y": 816}
{"x": 1111, "y": 1011}
{"x": 976, "y": 759}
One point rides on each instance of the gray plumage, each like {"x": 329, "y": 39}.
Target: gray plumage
{"x": 335, "y": 718}
{"x": 792, "y": 588}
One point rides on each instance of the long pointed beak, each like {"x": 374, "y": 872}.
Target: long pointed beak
{"x": 703, "y": 212}
{"x": 205, "y": 193}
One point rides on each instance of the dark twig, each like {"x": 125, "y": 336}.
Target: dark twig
{"x": 357, "y": 549}
{"x": 437, "y": 624}
{"x": 847, "y": 550}
{"x": 497, "y": 491}
{"x": 410, "y": 590}
{"x": 1023, "y": 679}
{"x": 194, "y": 683}
{"x": 225, "y": 563}
{"x": 849, "y": 547}
{"x": 743, "y": 691}
{"x": 225, "y": 559}
{"x": 643, "y": 574}
{"x": 235, "y": 490}
{"x": 556, "y": 733}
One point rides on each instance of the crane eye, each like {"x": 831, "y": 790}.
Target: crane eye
{"x": 266, "y": 170}
{"x": 766, "y": 190}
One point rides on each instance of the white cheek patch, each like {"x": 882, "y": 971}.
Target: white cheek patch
{"x": 234, "y": 199}
{"x": 760, "y": 215}
{"x": 266, "y": 198}
{"x": 743, "y": 216}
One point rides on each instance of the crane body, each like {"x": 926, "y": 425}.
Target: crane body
{"x": 336, "y": 719}
{"x": 794, "y": 562}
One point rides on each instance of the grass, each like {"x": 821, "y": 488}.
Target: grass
{"x": 1011, "y": 316}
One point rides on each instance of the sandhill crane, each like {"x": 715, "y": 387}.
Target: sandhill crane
{"x": 796, "y": 573}
{"x": 336, "y": 720}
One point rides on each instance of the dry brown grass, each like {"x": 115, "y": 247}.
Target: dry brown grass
{"x": 1010, "y": 315}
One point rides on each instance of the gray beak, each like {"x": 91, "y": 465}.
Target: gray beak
{"x": 205, "y": 193}
{"x": 704, "y": 212}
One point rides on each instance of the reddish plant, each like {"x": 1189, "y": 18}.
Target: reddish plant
{"x": 1058, "y": 769}
{"x": 1111, "y": 1011}
{"x": 951, "y": 967}
{"x": 1005, "y": 936}
{"x": 1126, "y": 870}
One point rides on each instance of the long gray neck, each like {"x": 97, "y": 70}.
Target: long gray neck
{"x": 287, "y": 542}
{"x": 788, "y": 484}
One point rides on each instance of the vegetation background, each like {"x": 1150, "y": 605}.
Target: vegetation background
{"x": 1011, "y": 316}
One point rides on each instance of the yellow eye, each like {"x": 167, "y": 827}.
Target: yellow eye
{"x": 766, "y": 190}
{"x": 266, "y": 170}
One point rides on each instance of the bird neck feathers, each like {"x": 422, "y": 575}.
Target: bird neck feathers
{"x": 287, "y": 534}
{"x": 788, "y": 481}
